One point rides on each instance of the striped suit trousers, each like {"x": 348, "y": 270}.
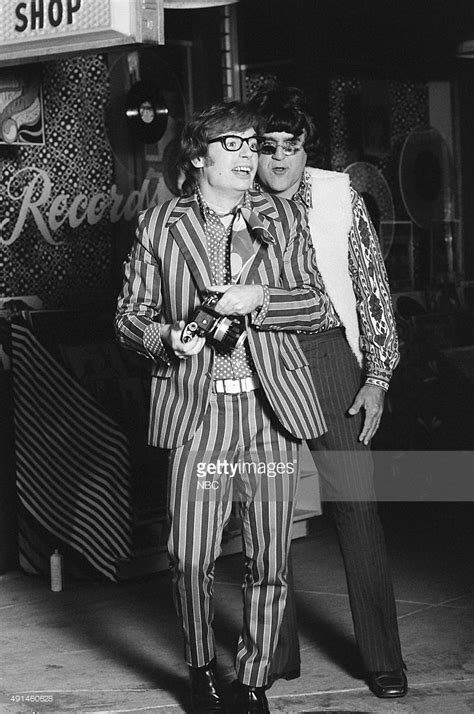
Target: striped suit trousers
{"x": 238, "y": 430}
{"x": 345, "y": 467}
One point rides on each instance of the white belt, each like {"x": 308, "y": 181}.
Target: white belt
{"x": 236, "y": 386}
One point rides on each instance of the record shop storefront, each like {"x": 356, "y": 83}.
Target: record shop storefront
{"x": 92, "y": 100}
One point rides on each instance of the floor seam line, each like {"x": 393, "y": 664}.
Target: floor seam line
{"x": 363, "y": 688}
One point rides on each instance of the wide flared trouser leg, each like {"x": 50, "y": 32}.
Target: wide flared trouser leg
{"x": 346, "y": 469}
{"x": 198, "y": 513}
{"x": 369, "y": 584}
{"x": 286, "y": 661}
{"x": 267, "y": 509}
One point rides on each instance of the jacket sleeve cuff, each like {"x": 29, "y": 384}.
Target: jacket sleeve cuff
{"x": 258, "y": 316}
{"x": 153, "y": 343}
{"x": 377, "y": 382}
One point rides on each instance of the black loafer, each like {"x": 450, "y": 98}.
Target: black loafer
{"x": 388, "y": 685}
{"x": 249, "y": 700}
{"x": 205, "y": 692}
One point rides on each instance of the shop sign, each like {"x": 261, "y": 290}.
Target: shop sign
{"x": 34, "y": 201}
{"x": 29, "y": 29}
{"x": 32, "y": 17}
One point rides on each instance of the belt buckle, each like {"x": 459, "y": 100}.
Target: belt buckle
{"x": 232, "y": 386}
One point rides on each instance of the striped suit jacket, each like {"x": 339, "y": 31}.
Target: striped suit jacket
{"x": 165, "y": 275}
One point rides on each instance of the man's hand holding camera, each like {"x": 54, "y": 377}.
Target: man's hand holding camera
{"x": 238, "y": 299}
{"x": 171, "y": 336}
{"x": 217, "y": 319}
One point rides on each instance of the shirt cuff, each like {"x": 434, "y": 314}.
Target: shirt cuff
{"x": 259, "y": 315}
{"x": 377, "y": 382}
{"x": 153, "y": 343}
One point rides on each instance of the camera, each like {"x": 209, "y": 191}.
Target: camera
{"x": 225, "y": 332}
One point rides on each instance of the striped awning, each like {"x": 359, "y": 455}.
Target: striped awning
{"x": 72, "y": 460}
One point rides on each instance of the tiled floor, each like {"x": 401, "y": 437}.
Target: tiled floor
{"x": 99, "y": 647}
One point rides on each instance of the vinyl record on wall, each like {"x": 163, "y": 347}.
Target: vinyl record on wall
{"x": 147, "y": 113}
{"x": 425, "y": 176}
{"x": 374, "y": 189}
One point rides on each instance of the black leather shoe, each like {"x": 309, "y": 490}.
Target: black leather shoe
{"x": 249, "y": 700}
{"x": 388, "y": 685}
{"x": 205, "y": 692}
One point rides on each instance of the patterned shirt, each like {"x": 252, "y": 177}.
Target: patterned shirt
{"x": 229, "y": 247}
{"x": 379, "y": 340}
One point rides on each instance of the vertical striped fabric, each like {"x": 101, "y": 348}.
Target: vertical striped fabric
{"x": 72, "y": 461}
{"x": 345, "y": 468}
{"x": 168, "y": 267}
{"x": 236, "y": 429}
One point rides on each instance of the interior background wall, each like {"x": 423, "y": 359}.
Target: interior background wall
{"x": 77, "y": 159}
{"x": 346, "y": 55}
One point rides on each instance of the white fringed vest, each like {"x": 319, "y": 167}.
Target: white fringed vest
{"x": 330, "y": 222}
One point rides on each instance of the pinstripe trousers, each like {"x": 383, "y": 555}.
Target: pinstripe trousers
{"x": 345, "y": 466}
{"x": 233, "y": 457}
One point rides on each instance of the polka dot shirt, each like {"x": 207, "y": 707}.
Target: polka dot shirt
{"x": 219, "y": 231}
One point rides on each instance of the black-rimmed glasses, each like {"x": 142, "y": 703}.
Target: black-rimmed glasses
{"x": 232, "y": 142}
{"x": 290, "y": 147}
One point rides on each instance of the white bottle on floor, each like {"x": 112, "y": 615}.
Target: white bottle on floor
{"x": 56, "y": 571}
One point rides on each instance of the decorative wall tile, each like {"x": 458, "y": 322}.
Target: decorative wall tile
{"x": 60, "y": 264}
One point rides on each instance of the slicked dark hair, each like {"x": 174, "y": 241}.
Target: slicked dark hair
{"x": 221, "y": 118}
{"x": 286, "y": 109}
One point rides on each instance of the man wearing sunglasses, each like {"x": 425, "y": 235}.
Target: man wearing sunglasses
{"x": 352, "y": 361}
{"x": 233, "y": 417}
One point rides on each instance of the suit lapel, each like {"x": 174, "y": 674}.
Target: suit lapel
{"x": 185, "y": 225}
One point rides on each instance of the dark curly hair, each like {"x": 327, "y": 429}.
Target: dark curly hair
{"x": 286, "y": 109}
{"x": 222, "y": 118}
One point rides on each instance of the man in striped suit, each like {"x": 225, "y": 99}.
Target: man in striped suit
{"x": 232, "y": 417}
{"x": 352, "y": 362}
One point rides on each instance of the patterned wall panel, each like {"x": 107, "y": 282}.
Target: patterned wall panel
{"x": 404, "y": 105}
{"x": 407, "y": 108}
{"x": 49, "y": 245}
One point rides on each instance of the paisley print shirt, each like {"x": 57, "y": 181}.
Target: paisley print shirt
{"x": 379, "y": 341}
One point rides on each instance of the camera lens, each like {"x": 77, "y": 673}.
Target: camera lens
{"x": 229, "y": 334}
